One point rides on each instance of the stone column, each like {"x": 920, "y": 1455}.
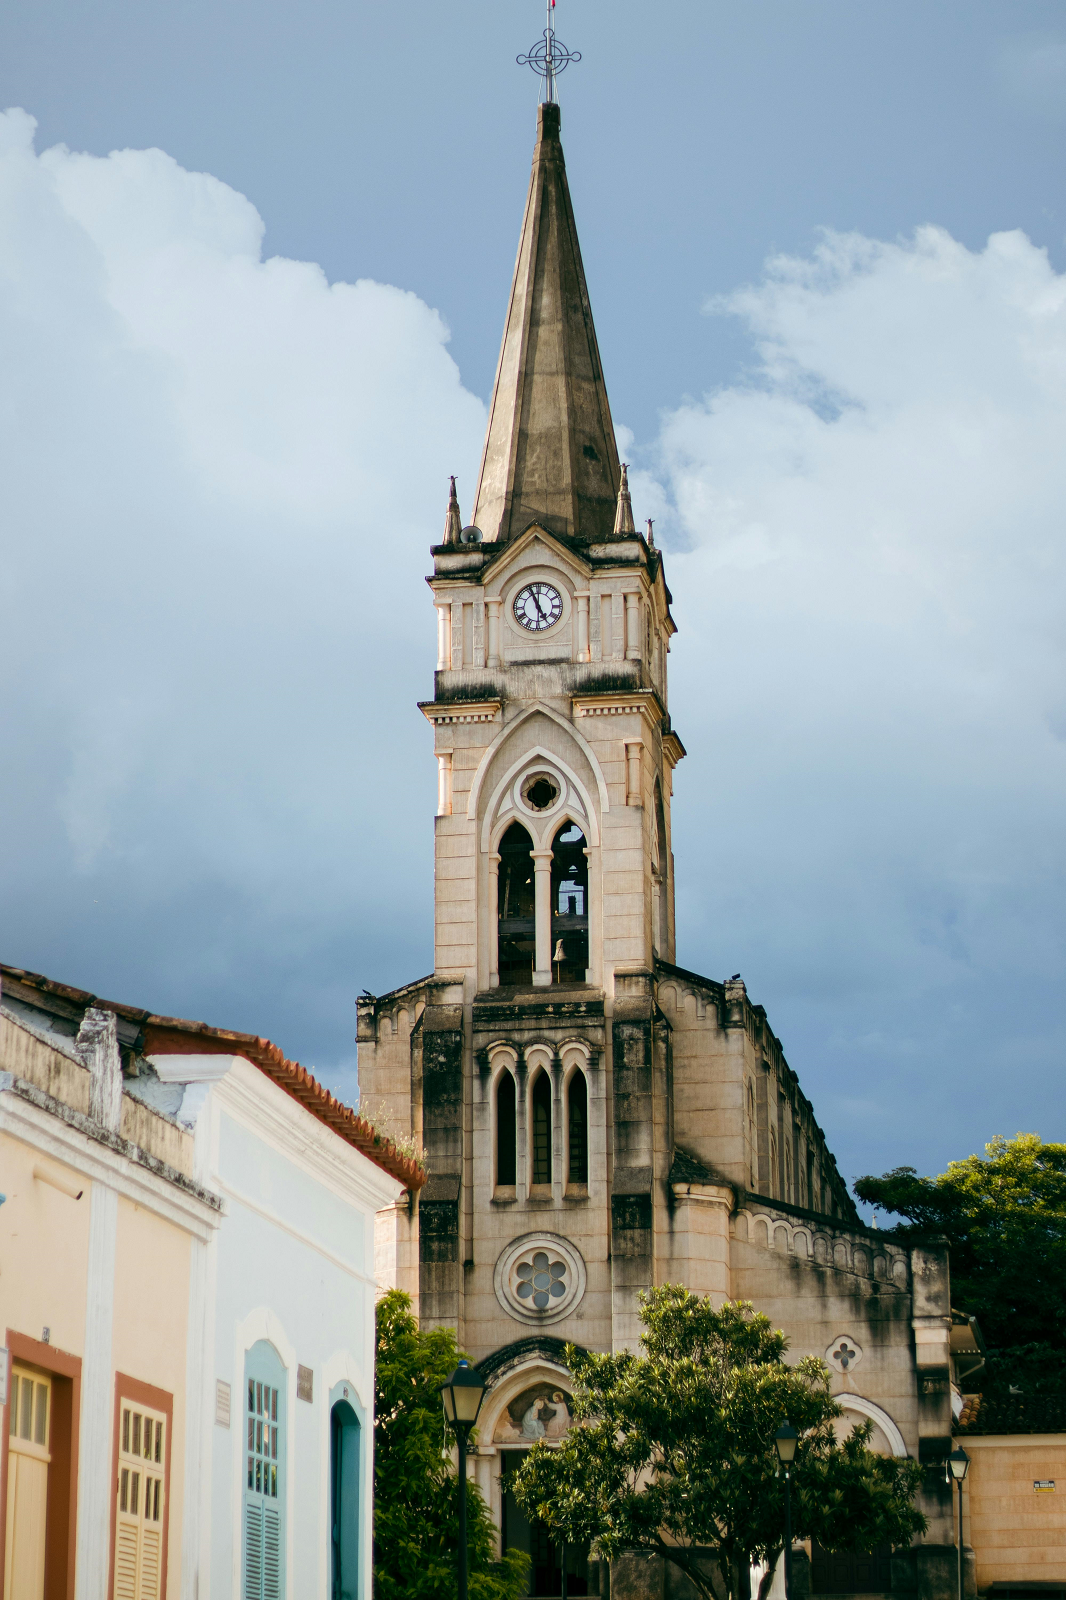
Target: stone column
{"x": 493, "y": 915}
{"x": 457, "y": 636}
{"x": 634, "y": 786}
{"x": 583, "y": 651}
{"x": 632, "y": 626}
{"x": 444, "y": 637}
{"x": 444, "y": 784}
{"x": 542, "y": 891}
{"x": 492, "y": 608}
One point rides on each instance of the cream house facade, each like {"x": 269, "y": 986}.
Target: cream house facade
{"x": 596, "y": 1117}
{"x": 187, "y": 1301}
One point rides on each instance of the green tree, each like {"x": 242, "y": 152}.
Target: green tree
{"x": 1004, "y": 1217}
{"x": 673, "y": 1451}
{"x": 416, "y": 1502}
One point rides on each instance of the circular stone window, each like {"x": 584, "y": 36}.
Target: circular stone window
{"x": 540, "y": 792}
{"x": 539, "y": 1278}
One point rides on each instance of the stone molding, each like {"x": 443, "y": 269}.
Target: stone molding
{"x": 824, "y": 1245}
{"x": 460, "y": 711}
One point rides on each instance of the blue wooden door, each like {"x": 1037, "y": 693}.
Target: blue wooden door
{"x": 345, "y": 1467}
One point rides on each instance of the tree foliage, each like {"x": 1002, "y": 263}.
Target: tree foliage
{"x": 416, "y": 1503}
{"x": 1004, "y": 1217}
{"x": 673, "y": 1451}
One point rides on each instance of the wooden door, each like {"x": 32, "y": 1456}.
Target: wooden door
{"x": 28, "y": 1460}
{"x": 140, "y": 1509}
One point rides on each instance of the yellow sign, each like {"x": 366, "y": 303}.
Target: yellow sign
{"x": 1044, "y": 1485}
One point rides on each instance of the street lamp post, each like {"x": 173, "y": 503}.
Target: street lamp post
{"x": 462, "y": 1396}
{"x": 785, "y": 1441}
{"x": 958, "y": 1465}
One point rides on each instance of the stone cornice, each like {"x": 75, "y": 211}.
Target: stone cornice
{"x": 621, "y": 702}
{"x": 673, "y": 750}
{"x": 443, "y": 711}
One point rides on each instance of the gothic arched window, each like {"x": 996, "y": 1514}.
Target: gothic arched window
{"x": 570, "y": 906}
{"x": 542, "y": 1129}
{"x": 577, "y": 1105}
{"x": 506, "y": 1140}
{"x": 516, "y": 908}
{"x": 773, "y": 1185}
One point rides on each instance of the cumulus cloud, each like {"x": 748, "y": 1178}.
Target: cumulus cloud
{"x": 872, "y": 596}
{"x": 216, "y": 475}
{"x": 217, "y": 792}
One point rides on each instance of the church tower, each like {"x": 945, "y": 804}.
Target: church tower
{"x": 595, "y": 1118}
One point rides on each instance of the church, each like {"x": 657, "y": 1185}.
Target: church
{"x": 596, "y": 1117}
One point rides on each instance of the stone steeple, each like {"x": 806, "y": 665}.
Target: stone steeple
{"x": 550, "y": 453}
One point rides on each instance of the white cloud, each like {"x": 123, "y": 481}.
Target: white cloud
{"x": 870, "y": 678}
{"x": 216, "y": 791}
{"x": 216, "y": 471}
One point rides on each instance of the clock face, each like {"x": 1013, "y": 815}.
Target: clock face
{"x": 538, "y": 606}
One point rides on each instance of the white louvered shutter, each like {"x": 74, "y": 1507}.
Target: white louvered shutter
{"x": 264, "y": 1421}
{"x": 140, "y": 1503}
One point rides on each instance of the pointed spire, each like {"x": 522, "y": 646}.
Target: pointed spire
{"x": 453, "y": 522}
{"x": 550, "y": 453}
{"x": 623, "y": 515}
{"x": 651, "y": 534}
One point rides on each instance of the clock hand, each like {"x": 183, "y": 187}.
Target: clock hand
{"x": 536, "y": 602}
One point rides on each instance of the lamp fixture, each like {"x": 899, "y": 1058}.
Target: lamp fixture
{"x": 462, "y": 1396}
{"x": 785, "y": 1441}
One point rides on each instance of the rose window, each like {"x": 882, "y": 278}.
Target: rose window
{"x": 540, "y": 1280}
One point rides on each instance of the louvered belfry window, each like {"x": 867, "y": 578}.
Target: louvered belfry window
{"x": 264, "y": 1475}
{"x": 140, "y": 1512}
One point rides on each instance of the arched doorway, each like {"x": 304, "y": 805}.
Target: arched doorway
{"x": 344, "y": 1500}
{"x": 540, "y": 1411}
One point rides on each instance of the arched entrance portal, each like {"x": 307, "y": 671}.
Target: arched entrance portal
{"x": 539, "y": 1411}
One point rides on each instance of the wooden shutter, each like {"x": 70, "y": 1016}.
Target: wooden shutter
{"x": 29, "y": 1428}
{"x": 264, "y": 1476}
{"x": 140, "y": 1502}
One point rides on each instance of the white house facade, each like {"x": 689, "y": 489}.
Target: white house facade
{"x": 256, "y": 1374}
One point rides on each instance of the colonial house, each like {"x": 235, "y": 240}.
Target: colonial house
{"x": 597, "y": 1116}
{"x": 186, "y": 1306}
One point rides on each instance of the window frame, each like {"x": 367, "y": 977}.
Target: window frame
{"x": 260, "y": 1356}
{"x": 536, "y": 1184}
{"x": 574, "y": 1185}
{"x": 136, "y": 1393}
{"x": 61, "y": 1517}
{"x": 497, "y": 1182}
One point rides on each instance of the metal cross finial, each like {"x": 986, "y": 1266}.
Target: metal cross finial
{"x": 549, "y": 56}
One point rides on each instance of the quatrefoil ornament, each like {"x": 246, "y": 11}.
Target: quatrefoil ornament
{"x": 843, "y": 1354}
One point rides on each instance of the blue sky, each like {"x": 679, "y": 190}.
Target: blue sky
{"x": 844, "y": 406}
